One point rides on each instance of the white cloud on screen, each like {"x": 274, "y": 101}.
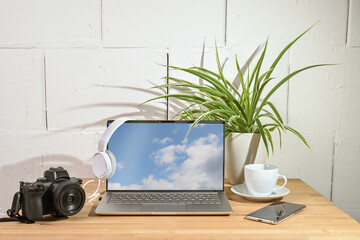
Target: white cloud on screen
{"x": 147, "y": 183}
{"x": 119, "y": 166}
{"x": 162, "y": 141}
{"x": 167, "y": 155}
{"x": 175, "y": 131}
{"x": 200, "y": 169}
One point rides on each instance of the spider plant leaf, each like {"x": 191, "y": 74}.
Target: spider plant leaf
{"x": 272, "y": 125}
{"x": 284, "y": 80}
{"x": 204, "y": 76}
{"x": 217, "y": 84}
{"x": 268, "y": 134}
{"x": 298, "y": 135}
{"x": 227, "y": 113}
{"x": 245, "y": 96}
{"x": 238, "y": 121}
{"x": 276, "y": 61}
{"x": 178, "y": 80}
{"x": 262, "y": 133}
{"x": 188, "y": 113}
{"x": 207, "y": 71}
{"x": 275, "y": 111}
{"x": 203, "y": 116}
{"x": 255, "y": 73}
{"x": 279, "y": 137}
{"x": 184, "y": 97}
{"x": 232, "y": 88}
{"x": 176, "y": 86}
{"x": 221, "y": 98}
{"x": 254, "y": 129}
{"x": 217, "y": 104}
{"x": 236, "y": 81}
{"x": 209, "y": 96}
{"x": 257, "y": 84}
{"x": 246, "y": 65}
{"x": 258, "y": 80}
{"x": 261, "y": 59}
{"x": 241, "y": 78}
{"x": 214, "y": 74}
{"x": 187, "y": 87}
{"x": 190, "y": 107}
{"x": 219, "y": 66}
{"x": 257, "y": 92}
{"x": 272, "y": 117}
{"x": 201, "y": 81}
{"x": 191, "y": 113}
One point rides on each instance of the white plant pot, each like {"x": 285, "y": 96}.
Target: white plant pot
{"x": 242, "y": 149}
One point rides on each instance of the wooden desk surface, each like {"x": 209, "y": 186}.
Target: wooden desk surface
{"x": 321, "y": 219}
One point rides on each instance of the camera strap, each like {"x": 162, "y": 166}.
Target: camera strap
{"x": 13, "y": 212}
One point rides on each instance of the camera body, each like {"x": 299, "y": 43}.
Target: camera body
{"x": 55, "y": 193}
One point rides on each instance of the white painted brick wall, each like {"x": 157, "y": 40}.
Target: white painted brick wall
{"x": 353, "y": 34}
{"x": 50, "y": 23}
{"x": 68, "y": 66}
{"x": 346, "y": 191}
{"x": 142, "y": 23}
{"x": 85, "y": 87}
{"x": 315, "y": 88}
{"x": 22, "y": 90}
{"x": 331, "y": 16}
{"x": 350, "y": 88}
{"x": 250, "y": 21}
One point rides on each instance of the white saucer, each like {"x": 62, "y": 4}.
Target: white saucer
{"x": 242, "y": 190}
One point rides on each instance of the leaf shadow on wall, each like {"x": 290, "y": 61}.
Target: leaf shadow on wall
{"x": 142, "y": 111}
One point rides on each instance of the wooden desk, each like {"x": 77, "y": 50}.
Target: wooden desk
{"x": 321, "y": 219}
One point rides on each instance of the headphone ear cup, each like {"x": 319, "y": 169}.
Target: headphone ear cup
{"x": 113, "y": 163}
{"x": 102, "y": 165}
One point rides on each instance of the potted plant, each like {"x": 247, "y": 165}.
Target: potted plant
{"x": 248, "y": 114}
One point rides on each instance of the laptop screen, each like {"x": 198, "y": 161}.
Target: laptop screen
{"x": 157, "y": 156}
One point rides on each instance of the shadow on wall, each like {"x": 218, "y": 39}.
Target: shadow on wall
{"x": 31, "y": 169}
{"x": 141, "y": 111}
{"x": 144, "y": 113}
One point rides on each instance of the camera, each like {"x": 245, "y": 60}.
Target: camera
{"x": 55, "y": 193}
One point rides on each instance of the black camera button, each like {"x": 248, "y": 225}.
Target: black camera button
{"x": 40, "y": 186}
{"x": 41, "y": 179}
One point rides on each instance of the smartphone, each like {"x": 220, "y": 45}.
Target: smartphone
{"x": 276, "y": 212}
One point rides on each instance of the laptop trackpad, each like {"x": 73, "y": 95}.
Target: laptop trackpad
{"x": 164, "y": 207}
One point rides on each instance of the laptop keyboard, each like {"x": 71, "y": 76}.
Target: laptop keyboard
{"x": 156, "y": 197}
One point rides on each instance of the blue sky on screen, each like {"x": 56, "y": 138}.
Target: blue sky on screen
{"x": 156, "y": 156}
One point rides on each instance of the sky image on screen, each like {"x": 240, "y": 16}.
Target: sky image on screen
{"x": 157, "y": 156}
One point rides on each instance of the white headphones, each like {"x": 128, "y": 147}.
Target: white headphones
{"x": 104, "y": 162}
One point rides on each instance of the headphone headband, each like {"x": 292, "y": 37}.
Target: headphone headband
{"x": 109, "y": 131}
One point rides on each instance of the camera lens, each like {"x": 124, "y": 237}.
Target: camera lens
{"x": 69, "y": 198}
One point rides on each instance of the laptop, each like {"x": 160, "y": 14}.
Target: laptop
{"x": 161, "y": 171}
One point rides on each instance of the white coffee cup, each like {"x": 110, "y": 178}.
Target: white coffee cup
{"x": 261, "y": 179}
